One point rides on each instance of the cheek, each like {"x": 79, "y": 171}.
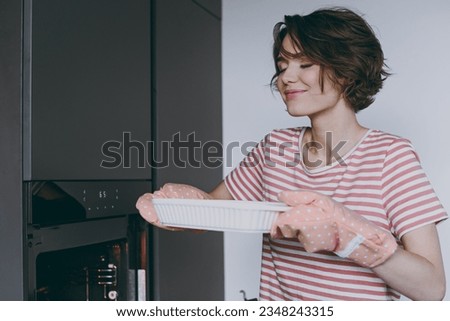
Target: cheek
{"x": 332, "y": 90}
{"x": 279, "y": 84}
{"x": 311, "y": 79}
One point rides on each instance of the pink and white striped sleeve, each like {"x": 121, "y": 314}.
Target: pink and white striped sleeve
{"x": 409, "y": 199}
{"x": 245, "y": 181}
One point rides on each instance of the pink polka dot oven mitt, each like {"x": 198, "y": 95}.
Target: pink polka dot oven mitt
{"x": 148, "y": 212}
{"x": 320, "y": 223}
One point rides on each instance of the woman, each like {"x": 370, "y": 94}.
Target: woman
{"x": 363, "y": 218}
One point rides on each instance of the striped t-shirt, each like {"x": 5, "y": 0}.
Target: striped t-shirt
{"x": 380, "y": 178}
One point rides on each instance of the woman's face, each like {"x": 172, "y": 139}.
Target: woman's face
{"x": 299, "y": 85}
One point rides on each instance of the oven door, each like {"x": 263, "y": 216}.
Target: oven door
{"x": 92, "y": 260}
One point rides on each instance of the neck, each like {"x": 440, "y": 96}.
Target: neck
{"x": 332, "y": 134}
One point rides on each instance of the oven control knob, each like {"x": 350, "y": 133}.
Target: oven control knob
{"x": 112, "y": 295}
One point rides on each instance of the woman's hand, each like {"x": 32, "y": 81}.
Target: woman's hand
{"x": 147, "y": 210}
{"x": 322, "y": 224}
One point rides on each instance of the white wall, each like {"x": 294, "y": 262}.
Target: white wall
{"x": 415, "y": 102}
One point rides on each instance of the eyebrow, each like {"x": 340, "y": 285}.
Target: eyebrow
{"x": 281, "y": 58}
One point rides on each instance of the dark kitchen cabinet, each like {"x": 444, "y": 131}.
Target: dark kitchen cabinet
{"x": 87, "y": 78}
{"x": 187, "y": 100}
{"x": 12, "y": 274}
{"x": 137, "y": 74}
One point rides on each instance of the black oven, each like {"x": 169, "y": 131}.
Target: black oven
{"x": 85, "y": 242}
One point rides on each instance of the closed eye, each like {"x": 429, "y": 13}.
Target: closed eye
{"x": 281, "y": 64}
{"x": 281, "y": 68}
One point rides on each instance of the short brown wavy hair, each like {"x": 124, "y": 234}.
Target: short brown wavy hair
{"x": 343, "y": 44}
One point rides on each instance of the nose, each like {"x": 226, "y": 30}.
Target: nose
{"x": 289, "y": 75}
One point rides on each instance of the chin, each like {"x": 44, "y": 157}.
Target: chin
{"x": 295, "y": 113}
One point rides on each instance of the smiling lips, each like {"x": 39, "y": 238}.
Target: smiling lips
{"x": 292, "y": 93}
